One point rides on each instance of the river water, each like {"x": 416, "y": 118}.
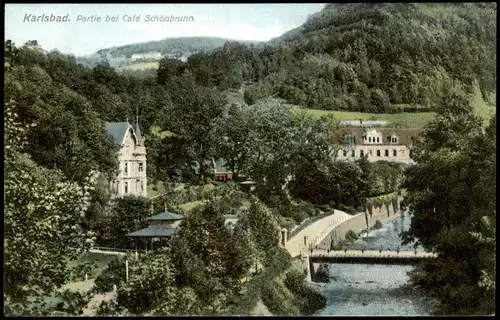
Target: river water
{"x": 373, "y": 290}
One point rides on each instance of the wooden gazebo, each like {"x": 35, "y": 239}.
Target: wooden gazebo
{"x": 160, "y": 226}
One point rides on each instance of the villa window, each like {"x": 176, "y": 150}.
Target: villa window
{"x": 386, "y": 153}
{"x": 126, "y": 187}
{"x": 377, "y": 140}
{"x": 126, "y": 167}
{"x": 353, "y": 153}
{"x": 394, "y": 139}
{"x": 370, "y": 153}
{"x": 369, "y": 139}
{"x": 395, "y": 153}
{"x": 378, "y": 153}
{"x": 361, "y": 153}
{"x": 142, "y": 185}
{"x": 345, "y": 153}
{"x": 141, "y": 167}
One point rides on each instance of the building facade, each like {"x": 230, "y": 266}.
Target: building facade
{"x": 153, "y": 55}
{"x": 131, "y": 179}
{"x": 378, "y": 144}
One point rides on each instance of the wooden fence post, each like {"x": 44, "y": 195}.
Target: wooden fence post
{"x": 126, "y": 270}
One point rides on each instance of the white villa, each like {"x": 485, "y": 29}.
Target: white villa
{"x": 131, "y": 178}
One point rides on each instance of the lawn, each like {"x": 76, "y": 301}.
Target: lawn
{"x": 407, "y": 120}
{"x": 100, "y": 260}
{"x": 140, "y": 66}
{"x": 185, "y": 207}
{"x": 155, "y": 130}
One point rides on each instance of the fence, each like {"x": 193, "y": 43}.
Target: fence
{"x": 108, "y": 249}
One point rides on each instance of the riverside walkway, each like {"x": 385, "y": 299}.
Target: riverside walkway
{"x": 315, "y": 232}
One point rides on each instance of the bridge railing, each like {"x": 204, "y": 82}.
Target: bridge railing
{"x": 118, "y": 250}
{"x": 385, "y": 252}
{"x": 332, "y": 225}
{"x": 308, "y": 222}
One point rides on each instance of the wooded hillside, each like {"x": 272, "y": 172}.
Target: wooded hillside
{"x": 362, "y": 57}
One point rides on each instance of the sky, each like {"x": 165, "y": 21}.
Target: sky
{"x": 260, "y": 22}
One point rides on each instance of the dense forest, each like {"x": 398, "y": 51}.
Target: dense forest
{"x": 362, "y": 57}
{"x": 173, "y": 45}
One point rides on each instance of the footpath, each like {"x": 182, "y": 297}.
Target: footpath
{"x": 296, "y": 244}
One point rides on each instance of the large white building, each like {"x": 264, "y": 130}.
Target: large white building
{"x": 378, "y": 144}
{"x": 131, "y": 178}
{"x": 153, "y": 55}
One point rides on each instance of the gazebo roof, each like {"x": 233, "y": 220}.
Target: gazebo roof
{"x": 166, "y": 216}
{"x": 153, "y": 232}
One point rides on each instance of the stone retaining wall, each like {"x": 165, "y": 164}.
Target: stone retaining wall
{"x": 360, "y": 222}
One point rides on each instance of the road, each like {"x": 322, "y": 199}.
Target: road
{"x": 322, "y": 226}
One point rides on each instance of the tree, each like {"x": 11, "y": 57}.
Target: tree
{"x": 127, "y": 215}
{"x": 449, "y": 191}
{"x": 194, "y": 113}
{"x": 42, "y": 220}
{"x": 207, "y": 255}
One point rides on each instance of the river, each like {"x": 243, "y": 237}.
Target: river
{"x": 373, "y": 290}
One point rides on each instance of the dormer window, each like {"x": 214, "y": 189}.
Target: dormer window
{"x": 378, "y": 140}
{"x": 394, "y": 139}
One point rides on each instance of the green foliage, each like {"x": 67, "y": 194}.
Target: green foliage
{"x": 310, "y": 300}
{"x": 448, "y": 192}
{"x": 154, "y": 273}
{"x": 210, "y": 258}
{"x": 351, "y": 235}
{"x": 278, "y": 259}
{"x": 127, "y": 215}
{"x": 114, "y": 274}
{"x": 377, "y": 224}
{"x": 192, "y": 117}
{"x": 338, "y": 60}
{"x": 263, "y": 225}
{"x": 42, "y": 219}
{"x": 336, "y": 183}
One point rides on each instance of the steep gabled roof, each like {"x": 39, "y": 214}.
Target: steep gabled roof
{"x": 118, "y": 131}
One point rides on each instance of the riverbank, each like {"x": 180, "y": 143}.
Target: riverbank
{"x": 371, "y": 289}
{"x": 280, "y": 293}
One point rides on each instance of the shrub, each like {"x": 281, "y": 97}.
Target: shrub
{"x": 322, "y": 274}
{"x": 298, "y": 216}
{"x": 277, "y": 259}
{"x": 351, "y": 236}
{"x": 310, "y": 300}
{"x": 113, "y": 274}
{"x": 272, "y": 299}
{"x": 294, "y": 281}
{"x": 377, "y": 225}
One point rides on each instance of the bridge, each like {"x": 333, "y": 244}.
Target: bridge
{"x": 369, "y": 257}
{"x": 393, "y": 257}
